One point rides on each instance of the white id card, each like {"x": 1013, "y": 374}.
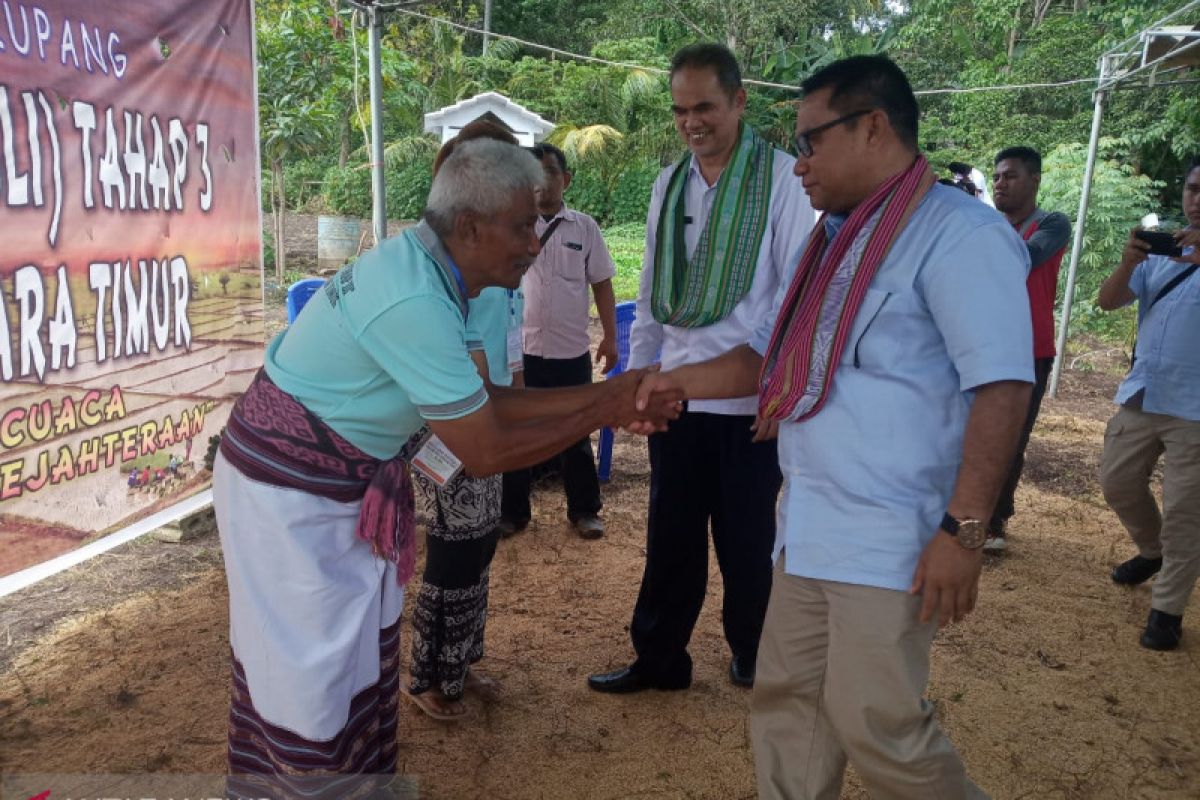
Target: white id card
{"x": 516, "y": 357}
{"x": 436, "y": 462}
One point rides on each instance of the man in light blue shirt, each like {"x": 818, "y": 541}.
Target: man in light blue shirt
{"x": 891, "y": 470}
{"x": 1159, "y": 416}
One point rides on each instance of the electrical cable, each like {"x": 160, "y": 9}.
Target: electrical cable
{"x": 750, "y": 81}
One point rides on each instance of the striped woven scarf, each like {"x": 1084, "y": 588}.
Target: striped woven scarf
{"x": 272, "y": 438}
{"x": 699, "y": 292}
{"x": 826, "y": 293}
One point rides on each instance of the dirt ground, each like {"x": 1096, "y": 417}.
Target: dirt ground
{"x": 121, "y": 665}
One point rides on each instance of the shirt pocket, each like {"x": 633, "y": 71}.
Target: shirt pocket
{"x": 873, "y": 304}
{"x": 892, "y": 327}
{"x": 570, "y": 266}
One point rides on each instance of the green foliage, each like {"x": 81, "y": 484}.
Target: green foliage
{"x": 626, "y": 243}
{"x": 407, "y": 187}
{"x": 1118, "y": 200}
{"x": 589, "y": 193}
{"x": 268, "y": 240}
{"x": 304, "y": 179}
{"x": 347, "y": 190}
{"x": 630, "y": 197}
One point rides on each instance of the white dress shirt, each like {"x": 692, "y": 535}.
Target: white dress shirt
{"x": 791, "y": 218}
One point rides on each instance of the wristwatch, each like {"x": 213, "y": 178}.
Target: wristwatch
{"x": 971, "y": 533}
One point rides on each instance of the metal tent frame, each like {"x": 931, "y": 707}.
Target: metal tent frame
{"x": 1159, "y": 55}
{"x": 374, "y": 11}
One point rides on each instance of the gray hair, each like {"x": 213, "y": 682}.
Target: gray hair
{"x": 480, "y": 176}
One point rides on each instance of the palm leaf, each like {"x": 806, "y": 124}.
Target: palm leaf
{"x": 587, "y": 141}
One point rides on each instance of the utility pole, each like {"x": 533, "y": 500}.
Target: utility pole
{"x": 379, "y": 207}
{"x": 487, "y": 25}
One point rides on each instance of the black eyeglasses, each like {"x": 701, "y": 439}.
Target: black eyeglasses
{"x": 803, "y": 141}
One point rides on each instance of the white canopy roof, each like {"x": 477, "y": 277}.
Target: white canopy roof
{"x": 527, "y": 126}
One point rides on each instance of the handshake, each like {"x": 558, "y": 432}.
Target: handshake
{"x": 644, "y": 401}
{"x": 641, "y": 401}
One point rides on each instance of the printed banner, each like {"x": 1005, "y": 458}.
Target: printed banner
{"x": 131, "y": 267}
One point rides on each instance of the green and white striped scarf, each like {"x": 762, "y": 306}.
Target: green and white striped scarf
{"x": 699, "y": 292}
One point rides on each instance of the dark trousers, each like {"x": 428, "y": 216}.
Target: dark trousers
{"x": 577, "y": 463}
{"x": 1005, "y": 504}
{"x": 705, "y": 469}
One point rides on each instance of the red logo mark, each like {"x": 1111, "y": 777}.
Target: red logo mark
{"x": 43, "y": 796}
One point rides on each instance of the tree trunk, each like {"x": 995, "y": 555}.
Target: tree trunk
{"x": 278, "y": 208}
{"x": 1040, "y": 7}
{"x": 1012, "y": 39}
{"x": 344, "y": 135}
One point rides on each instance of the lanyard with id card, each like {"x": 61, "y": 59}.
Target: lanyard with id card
{"x": 435, "y": 461}
{"x": 514, "y": 347}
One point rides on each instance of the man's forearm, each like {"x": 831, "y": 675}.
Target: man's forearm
{"x": 1114, "y": 292}
{"x": 732, "y": 374}
{"x": 606, "y": 307}
{"x": 990, "y": 441}
{"x": 549, "y": 421}
{"x": 532, "y": 440}
{"x": 515, "y": 405}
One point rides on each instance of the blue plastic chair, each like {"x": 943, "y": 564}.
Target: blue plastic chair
{"x": 625, "y": 315}
{"x": 300, "y": 293}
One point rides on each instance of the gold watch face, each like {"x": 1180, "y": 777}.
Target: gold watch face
{"x": 972, "y": 533}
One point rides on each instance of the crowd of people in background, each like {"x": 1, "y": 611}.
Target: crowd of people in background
{"x": 838, "y": 360}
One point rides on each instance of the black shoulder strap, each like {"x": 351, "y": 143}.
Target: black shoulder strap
{"x": 546, "y": 234}
{"x": 1171, "y": 284}
{"x": 1163, "y": 292}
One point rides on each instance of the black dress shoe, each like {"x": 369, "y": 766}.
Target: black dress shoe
{"x": 1136, "y": 570}
{"x": 626, "y": 680}
{"x": 1163, "y": 631}
{"x": 741, "y": 671}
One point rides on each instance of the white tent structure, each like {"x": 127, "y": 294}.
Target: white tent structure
{"x": 526, "y": 126}
{"x": 1160, "y": 55}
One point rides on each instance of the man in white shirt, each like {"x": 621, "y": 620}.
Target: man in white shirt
{"x": 723, "y": 233}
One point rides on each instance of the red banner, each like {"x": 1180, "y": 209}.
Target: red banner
{"x": 131, "y": 266}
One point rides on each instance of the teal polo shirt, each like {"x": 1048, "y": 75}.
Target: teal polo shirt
{"x": 382, "y": 348}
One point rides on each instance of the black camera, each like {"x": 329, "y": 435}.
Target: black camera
{"x": 1161, "y": 243}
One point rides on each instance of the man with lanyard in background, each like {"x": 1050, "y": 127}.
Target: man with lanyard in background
{"x": 1015, "y": 182}
{"x": 555, "y": 337}
{"x": 724, "y": 226}
{"x": 449, "y": 611}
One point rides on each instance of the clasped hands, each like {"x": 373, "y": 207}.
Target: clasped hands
{"x": 643, "y": 401}
{"x": 658, "y": 399}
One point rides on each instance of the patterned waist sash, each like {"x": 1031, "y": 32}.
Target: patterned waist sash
{"x": 273, "y": 439}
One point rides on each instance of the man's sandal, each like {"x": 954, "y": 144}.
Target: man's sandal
{"x": 435, "y": 710}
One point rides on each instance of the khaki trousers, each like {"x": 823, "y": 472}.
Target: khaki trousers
{"x": 1133, "y": 443}
{"x": 841, "y": 672}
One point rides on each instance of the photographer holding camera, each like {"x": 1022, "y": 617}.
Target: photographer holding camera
{"x": 1159, "y": 415}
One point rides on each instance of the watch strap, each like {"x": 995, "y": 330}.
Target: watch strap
{"x": 949, "y": 524}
